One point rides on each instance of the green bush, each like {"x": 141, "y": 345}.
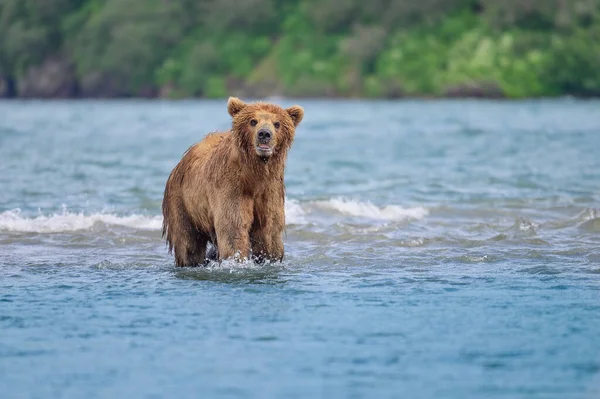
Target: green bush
{"x": 574, "y": 64}
{"x": 30, "y": 31}
{"x": 127, "y": 40}
{"x": 522, "y": 48}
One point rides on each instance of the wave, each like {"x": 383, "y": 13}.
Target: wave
{"x": 13, "y": 221}
{"x": 369, "y": 210}
{"x": 297, "y": 213}
{"x": 294, "y": 214}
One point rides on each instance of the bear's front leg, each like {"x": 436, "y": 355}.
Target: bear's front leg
{"x": 260, "y": 240}
{"x": 232, "y": 226}
{"x": 266, "y": 234}
{"x": 276, "y": 250}
{"x": 267, "y": 245}
{"x": 277, "y": 247}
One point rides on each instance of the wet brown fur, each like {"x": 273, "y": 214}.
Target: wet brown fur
{"x": 223, "y": 193}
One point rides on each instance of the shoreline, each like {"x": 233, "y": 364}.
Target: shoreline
{"x": 308, "y": 98}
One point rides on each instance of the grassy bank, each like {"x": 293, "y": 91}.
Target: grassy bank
{"x": 349, "y": 48}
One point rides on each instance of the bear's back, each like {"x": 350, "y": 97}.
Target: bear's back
{"x": 198, "y": 154}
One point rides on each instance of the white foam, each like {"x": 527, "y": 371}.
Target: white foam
{"x": 68, "y": 221}
{"x": 14, "y": 221}
{"x": 294, "y": 214}
{"x": 369, "y": 210}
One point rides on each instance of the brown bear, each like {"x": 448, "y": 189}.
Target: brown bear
{"x": 228, "y": 189}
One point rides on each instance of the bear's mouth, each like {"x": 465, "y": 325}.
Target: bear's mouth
{"x": 264, "y": 150}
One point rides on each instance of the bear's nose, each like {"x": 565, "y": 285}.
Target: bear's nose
{"x": 264, "y": 134}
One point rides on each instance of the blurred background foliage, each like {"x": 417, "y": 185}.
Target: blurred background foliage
{"x": 350, "y": 48}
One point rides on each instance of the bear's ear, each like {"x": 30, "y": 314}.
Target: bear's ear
{"x": 297, "y": 113}
{"x": 234, "y": 105}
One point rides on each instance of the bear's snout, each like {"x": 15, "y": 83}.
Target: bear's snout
{"x": 264, "y": 135}
{"x": 264, "y": 142}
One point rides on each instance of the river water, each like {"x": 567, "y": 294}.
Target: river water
{"x": 433, "y": 249}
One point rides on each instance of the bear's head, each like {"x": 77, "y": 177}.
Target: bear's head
{"x": 264, "y": 129}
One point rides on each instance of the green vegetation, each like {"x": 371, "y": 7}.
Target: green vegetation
{"x": 375, "y": 48}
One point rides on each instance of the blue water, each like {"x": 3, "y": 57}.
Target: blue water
{"x": 434, "y": 249}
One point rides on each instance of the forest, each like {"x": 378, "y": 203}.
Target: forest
{"x": 309, "y": 48}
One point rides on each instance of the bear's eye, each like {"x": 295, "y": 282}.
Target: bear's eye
{"x": 253, "y": 122}
{"x": 276, "y": 124}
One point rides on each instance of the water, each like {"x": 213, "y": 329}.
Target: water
{"x": 433, "y": 249}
